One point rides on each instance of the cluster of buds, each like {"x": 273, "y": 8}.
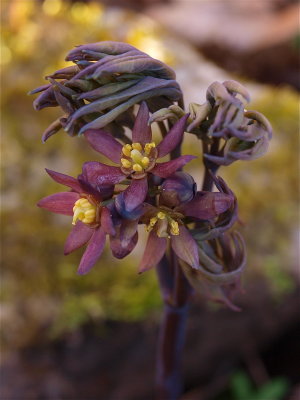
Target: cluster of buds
{"x": 106, "y": 80}
{"x": 112, "y": 201}
{"x": 228, "y": 131}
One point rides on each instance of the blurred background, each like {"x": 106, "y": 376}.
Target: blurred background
{"x": 66, "y": 336}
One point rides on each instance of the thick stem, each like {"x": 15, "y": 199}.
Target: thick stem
{"x": 165, "y": 274}
{"x": 170, "y": 348}
{"x": 207, "y": 180}
{"x": 175, "y": 291}
{"x": 172, "y": 334}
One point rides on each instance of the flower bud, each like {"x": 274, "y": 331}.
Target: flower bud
{"x": 178, "y": 188}
{"x": 248, "y": 143}
{"x": 222, "y": 262}
{"x": 112, "y": 77}
{"x": 209, "y": 230}
{"x": 173, "y": 113}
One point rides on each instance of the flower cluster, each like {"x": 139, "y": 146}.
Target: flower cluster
{"x": 154, "y": 194}
{"x": 112, "y": 201}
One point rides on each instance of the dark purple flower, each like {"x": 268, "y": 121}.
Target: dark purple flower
{"x": 168, "y": 222}
{"x": 138, "y": 159}
{"x": 91, "y": 219}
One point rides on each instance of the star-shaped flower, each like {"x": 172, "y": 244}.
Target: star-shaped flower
{"x": 138, "y": 159}
{"x": 92, "y": 219}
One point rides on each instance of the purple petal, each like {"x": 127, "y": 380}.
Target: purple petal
{"x": 120, "y": 249}
{"x": 60, "y": 203}
{"x": 45, "y": 99}
{"x": 92, "y": 252}
{"x": 185, "y": 247}
{"x": 207, "y": 205}
{"x": 168, "y": 168}
{"x": 97, "y": 173}
{"x": 52, "y": 129}
{"x": 65, "y": 180}
{"x": 106, "y": 222}
{"x": 39, "y": 89}
{"x": 154, "y": 251}
{"x": 105, "y": 144}
{"x": 141, "y": 132}
{"x": 127, "y": 230}
{"x": 173, "y": 138}
{"x": 122, "y": 210}
{"x": 89, "y": 189}
{"x": 135, "y": 194}
{"x": 79, "y": 235}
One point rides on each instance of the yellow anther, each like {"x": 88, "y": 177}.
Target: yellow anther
{"x": 137, "y": 146}
{"x": 84, "y": 202}
{"x": 153, "y": 221}
{"x": 137, "y": 168}
{"x": 90, "y": 213}
{"x": 126, "y": 150}
{"x": 161, "y": 215}
{"x": 125, "y": 163}
{"x": 145, "y": 162}
{"x": 88, "y": 220}
{"x": 151, "y": 224}
{"x": 148, "y": 147}
{"x": 174, "y": 227}
{"x": 84, "y": 211}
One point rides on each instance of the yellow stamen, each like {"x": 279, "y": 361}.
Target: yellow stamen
{"x": 153, "y": 221}
{"x": 125, "y": 163}
{"x": 137, "y": 146}
{"x": 137, "y": 168}
{"x": 174, "y": 227}
{"x": 84, "y": 211}
{"x": 161, "y": 215}
{"x": 148, "y": 147}
{"x": 145, "y": 162}
{"x": 166, "y": 225}
{"x": 126, "y": 150}
{"x": 137, "y": 156}
{"x": 151, "y": 224}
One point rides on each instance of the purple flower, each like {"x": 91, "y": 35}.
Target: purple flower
{"x": 138, "y": 159}
{"x": 165, "y": 221}
{"x": 91, "y": 219}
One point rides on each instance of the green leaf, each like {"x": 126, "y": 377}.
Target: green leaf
{"x": 241, "y": 386}
{"x": 274, "y": 390}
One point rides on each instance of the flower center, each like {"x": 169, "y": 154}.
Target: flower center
{"x": 137, "y": 158}
{"x": 84, "y": 211}
{"x": 165, "y": 225}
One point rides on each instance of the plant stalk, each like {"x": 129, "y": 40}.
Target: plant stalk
{"x": 176, "y": 293}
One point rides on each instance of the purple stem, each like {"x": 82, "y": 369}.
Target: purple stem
{"x": 176, "y": 292}
{"x": 170, "y": 349}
